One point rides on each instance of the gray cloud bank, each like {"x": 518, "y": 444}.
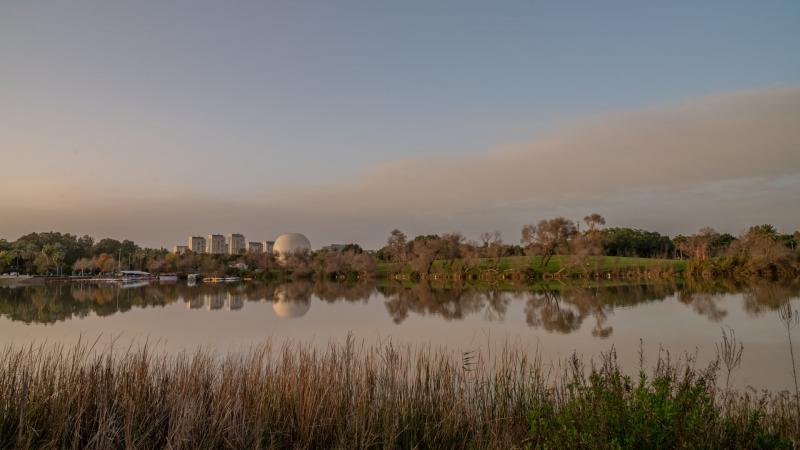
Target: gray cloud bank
{"x": 726, "y": 160}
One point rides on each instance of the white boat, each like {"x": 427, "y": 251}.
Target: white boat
{"x": 135, "y": 275}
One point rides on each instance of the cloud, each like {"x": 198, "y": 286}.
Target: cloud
{"x": 724, "y": 160}
{"x": 660, "y": 161}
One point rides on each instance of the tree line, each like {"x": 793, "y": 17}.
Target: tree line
{"x": 54, "y": 253}
{"x": 761, "y": 250}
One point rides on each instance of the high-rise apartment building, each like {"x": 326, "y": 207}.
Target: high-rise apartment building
{"x": 268, "y": 246}
{"x": 179, "y": 249}
{"x": 196, "y": 244}
{"x": 236, "y": 244}
{"x": 216, "y": 244}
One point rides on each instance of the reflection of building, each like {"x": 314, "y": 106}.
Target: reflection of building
{"x": 216, "y": 300}
{"x": 291, "y": 300}
{"x": 291, "y": 309}
{"x": 216, "y": 244}
{"x": 196, "y": 302}
{"x": 286, "y": 244}
{"x": 255, "y": 248}
{"x": 180, "y": 249}
{"x": 268, "y": 246}
{"x": 235, "y": 301}
{"x": 197, "y": 244}
{"x": 236, "y": 244}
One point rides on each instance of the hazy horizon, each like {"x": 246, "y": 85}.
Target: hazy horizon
{"x": 153, "y": 122}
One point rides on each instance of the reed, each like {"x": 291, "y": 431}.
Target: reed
{"x": 371, "y": 396}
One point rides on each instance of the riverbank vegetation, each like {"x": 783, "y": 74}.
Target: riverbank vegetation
{"x": 384, "y": 396}
{"x": 555, "y": 247}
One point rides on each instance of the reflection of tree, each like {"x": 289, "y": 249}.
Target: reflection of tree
{"x": 705, "y": 296}
{"x": 331, "y": 291}
{"x": 546, "y": 310}
{"x": 563, "y": 310}
{"x": 759, "y": 296}
{"x": 452, "y": 303}
{"x": 762, "y": 296}
{"x": 57, "y": 302}
{"x": 704, "y": 304}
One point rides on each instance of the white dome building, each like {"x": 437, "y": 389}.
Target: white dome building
{"x": 287, "y": 244}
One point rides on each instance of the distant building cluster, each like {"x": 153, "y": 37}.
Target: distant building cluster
{"x": 236, "y": 244}
{"x": 218, "y": 244}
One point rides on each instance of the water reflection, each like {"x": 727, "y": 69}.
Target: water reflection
{"x": 559, "y": 309}
{"x": 292, "y": 300}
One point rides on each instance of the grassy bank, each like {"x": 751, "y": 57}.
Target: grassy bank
{"x": 373, "y": 397}
{"x": 557, "y": 264}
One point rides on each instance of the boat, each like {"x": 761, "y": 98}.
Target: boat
{"x": 221, "y": 279}
{"x": 135, "y": 275}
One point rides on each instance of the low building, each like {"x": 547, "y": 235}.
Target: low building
{"x": 236, "y": 244}
{"x": 216, "y": 244}
{"x": 255, "y": 248}
{"x": 196, "y": 244}
{"x": 180, "y": 249}
{"x": 335, "y": 247}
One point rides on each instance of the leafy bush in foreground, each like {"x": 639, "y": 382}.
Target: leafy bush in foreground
{"x": 672, "y": 410}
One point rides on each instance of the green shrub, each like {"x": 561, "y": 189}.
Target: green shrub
{"x": 610, "y": 410}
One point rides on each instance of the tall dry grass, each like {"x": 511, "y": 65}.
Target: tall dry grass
{"x": 359, "y": 396}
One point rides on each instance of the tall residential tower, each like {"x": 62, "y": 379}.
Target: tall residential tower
{"x": 216, "y": 244}
{"x": 236, "y": 244}
{"x": 197, "y": 244}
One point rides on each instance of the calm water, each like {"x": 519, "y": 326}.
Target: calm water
{"x": 554, "y": 322}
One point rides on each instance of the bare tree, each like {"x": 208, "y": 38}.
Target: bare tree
{"x": 492, "y": 244}
{"x": 396, "y": 246}
{"x": 424, "y": 252}
{"x": 299, "y": 264}
{"x": 584, "y": 246}
{"x": 698, "y": 246}
{"x": 363, "y": 263}
{"x": 548, "y": 236}
{"x": 594, "y": 221}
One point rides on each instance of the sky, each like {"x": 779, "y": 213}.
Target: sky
{"x": 344, "y": 120}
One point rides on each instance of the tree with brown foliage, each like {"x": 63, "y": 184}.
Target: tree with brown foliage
{"x": 396, "y": 246}
{"x": 594, "y": 221}
{"x": 548, "y": 237}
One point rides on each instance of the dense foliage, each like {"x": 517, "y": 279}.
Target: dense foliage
{"x": 635, "y": 242}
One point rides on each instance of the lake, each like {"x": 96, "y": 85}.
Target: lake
{"x": 554, "y": 321}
